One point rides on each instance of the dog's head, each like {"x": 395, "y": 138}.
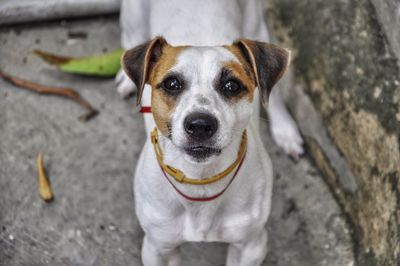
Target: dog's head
{"x": 202, "y": 96}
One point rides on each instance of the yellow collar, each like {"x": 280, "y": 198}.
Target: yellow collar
{"x": 179, "y": 176}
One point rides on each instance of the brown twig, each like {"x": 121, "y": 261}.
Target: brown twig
{"x": 60, "y": 91}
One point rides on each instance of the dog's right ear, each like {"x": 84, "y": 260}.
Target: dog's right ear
{"x": 138, "y": 62}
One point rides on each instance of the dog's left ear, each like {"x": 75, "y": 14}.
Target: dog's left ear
{"x": 138, "y": 62}
{"x": 269, "y": 62}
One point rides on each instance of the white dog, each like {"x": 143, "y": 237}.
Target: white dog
{"x": 204, "y": 174}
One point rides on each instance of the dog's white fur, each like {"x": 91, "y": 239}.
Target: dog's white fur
{"x": 239, "y": 216}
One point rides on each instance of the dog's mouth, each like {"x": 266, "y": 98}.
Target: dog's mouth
{"x": 201, "y": 152}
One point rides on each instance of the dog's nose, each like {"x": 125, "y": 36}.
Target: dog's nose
{"x": 200, "y": 126}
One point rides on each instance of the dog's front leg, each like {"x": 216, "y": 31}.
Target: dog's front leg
{"x": 156, "y": 253}
{"x": 283, "y": 128}
{"x": 248, "y": 253}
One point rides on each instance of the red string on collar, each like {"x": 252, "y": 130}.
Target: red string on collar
{"x": 145, "y": 109}
{"x": 206, "y": 198}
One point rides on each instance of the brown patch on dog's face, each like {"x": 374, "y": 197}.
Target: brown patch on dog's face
{"x": 243, "y": 70}
{"x": 242, "y": 59}
{"x": 167, "y": 60}
{"x": 163, "y": 104}
{"x": 244, "y": 75}
{"x": 162, "y": 107}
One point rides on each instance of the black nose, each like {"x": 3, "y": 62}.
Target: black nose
{"x": 200, "y": 126}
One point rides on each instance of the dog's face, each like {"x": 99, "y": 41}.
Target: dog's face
{"x": 202, "y": 96}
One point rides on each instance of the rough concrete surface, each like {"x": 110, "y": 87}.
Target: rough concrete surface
{"x": 92, "y": 221}
{"x": 346, "y": 57}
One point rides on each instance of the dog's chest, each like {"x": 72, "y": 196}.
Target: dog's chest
{"x": 209, "y": 223}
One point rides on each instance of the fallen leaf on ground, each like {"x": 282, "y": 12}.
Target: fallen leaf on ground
{"x": 45, "y": 191}
{"x": 103, "y": 65}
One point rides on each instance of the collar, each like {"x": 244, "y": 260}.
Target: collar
{"x": 180, "y": 177}
{"x": 204, "y": 198}
{"x": 145, "y": 109}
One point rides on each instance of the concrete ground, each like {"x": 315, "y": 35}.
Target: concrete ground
{"x": 92, "y": 220}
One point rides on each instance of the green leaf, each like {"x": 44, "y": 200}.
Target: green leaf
{"x": 104, "y": 65}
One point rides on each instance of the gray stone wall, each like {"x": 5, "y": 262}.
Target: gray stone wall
{"x": 346, "y": 56}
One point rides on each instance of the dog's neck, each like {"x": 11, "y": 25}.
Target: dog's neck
{"x": 177, "y": 158}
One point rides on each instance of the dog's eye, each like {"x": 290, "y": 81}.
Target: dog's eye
{"x": 232, "y": 88}
{"x": 172, "y": 85}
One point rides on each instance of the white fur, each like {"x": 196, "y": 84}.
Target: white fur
{"x": 238, "y": 217}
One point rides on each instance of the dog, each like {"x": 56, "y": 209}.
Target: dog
{"x": 200, "y": 70}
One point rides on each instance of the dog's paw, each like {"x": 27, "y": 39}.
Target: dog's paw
{"x": 287, "y": 136}
{"x": 125, "y": 86}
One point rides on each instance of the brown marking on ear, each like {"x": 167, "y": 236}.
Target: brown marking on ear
{"x": 246, "y": 77}
{"x": 269, "y": 62}
{"x": 162, "y": 104}
{"x": 234, "y": 49}
{"x": 138, "y": 62}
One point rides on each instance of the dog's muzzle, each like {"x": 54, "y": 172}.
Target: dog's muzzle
{"x": 200, "y": 128}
